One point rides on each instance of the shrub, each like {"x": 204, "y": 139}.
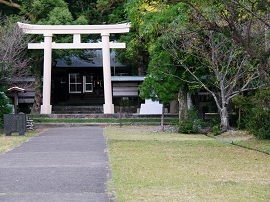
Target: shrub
{"x": 216, "y": 130}
{"x": 5, "y": 107}
{"x": 258, "y": 120}
{"x": 193, "y": 124}
{"x": 258, "y": 123}
{"x": 243, "y": 104}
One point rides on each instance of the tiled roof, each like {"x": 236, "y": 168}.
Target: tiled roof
{"x": 96, "y": 61}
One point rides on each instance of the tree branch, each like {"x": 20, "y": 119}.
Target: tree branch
{"x": 10, "y": 4}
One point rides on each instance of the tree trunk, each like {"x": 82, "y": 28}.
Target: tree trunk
{"x": 38, "y": 93}
{"x": 37, "y": 99}
{"x": 174, "y": 106}
{"x": 162, "y": 119}
{"x": 224, "y": 118}
{"x": 183, "y": 104}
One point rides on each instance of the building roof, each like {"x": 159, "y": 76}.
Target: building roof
{"x": 16, "y": 89}
{"x": 128, "y": 78}
{"x": 94, "y": 61}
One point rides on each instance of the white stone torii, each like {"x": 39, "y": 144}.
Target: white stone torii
{"x": 76, "y": 30}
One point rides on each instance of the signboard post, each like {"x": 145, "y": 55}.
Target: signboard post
{"x": 14, "y": 123}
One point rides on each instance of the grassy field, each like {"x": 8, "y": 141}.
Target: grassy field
{"x": 151, "y": 166}
{"x": 9, "y": 142}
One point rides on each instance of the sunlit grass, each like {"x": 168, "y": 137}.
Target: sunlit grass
{"x": 149, "y": 165}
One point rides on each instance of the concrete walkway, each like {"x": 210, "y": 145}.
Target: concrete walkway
{"x": 58, "y": 165}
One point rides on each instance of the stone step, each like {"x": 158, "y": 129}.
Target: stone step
{"x": 77, "y": 109}
{"x": 115, "y": 116}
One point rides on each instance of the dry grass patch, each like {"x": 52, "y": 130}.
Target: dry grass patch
{"x": 151, "y": 166}
{"x": 7, "y": 143}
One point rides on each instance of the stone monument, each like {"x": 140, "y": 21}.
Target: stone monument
{"x": 151, "y": 107}
{"x": 14, "y": 123}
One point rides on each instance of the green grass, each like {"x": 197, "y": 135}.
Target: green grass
{"x": 242, "y": 138}
{"x": 151, "y": 166}
{"x": 253, "y": 143}
{"x": 100, "y": 120}
{"x": 7, "y": 143}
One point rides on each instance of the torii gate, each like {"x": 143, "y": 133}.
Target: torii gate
{"x": 76, "y": 30}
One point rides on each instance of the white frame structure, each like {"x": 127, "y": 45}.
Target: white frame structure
{"x": 49, "y": 30}
{"x": 85, "y": 84}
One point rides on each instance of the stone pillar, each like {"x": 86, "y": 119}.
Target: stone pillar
{"x": 108, "y": 107}
{"x": 46, "y": 107}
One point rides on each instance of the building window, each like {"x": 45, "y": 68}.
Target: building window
{"x": 75, "y": 83}
{"x": 87, "y": 83}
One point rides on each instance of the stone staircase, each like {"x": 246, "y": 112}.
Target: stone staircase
{"x": 77, "y": 109}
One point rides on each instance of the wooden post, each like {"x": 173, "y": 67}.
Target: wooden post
{"x": 121, "y": 124}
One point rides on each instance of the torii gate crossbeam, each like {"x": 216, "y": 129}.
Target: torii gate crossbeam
{"x": 49, "y": 30}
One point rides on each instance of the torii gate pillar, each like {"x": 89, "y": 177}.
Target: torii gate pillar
{"x": 46, "y": 107}
{"x": 108, "y": 107}
{"x": 76, "y": 30}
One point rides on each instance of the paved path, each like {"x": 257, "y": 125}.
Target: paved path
{"x": 58, "y": 165}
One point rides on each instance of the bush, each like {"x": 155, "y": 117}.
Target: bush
{"x": 193, "y": 124}
{"x": 216, "y": 130}
{"x": 258, "y": 123}
{"x": 258, "y": 120}
{"x": 243, "y": 104}
{"x": 5, "y": 107}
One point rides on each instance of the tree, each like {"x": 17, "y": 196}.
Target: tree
{"x": 162, "y": 83}
{"x": 229, "y": 70}
{"x": 158, "y": 86}
{"x": 245, "y": 22}
{"x": 13, "y": 47}
{"x": 140, "y": 38}
{"x": 152, "y": 20}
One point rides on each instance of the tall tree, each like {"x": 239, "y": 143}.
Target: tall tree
{"x": 229, "y": 70}
{"x": 245, "y": 22}
{"x": 152, "y": 20}
{"x": 13, "y": 47}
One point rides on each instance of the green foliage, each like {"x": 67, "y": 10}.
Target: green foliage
{"x": 5, "y": 107}
{"x": 255, "y": 113}
{"x": 160, "y": 83}
{"x": 193, "y": 124}
{"x": 216, "y": 130}
{"x": 258, "y": 119}
{"x": 244, "y": 104}
{"x": 258, "y": 123}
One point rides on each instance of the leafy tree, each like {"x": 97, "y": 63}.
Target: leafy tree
{"x": 259, "y": 115}
{"x": 245, "y": 22}
{"x": 152, "y": 20}
{"x": 229, "y": 71}
{"x": 255, "y": 112}
{"x": 238, "y": 24}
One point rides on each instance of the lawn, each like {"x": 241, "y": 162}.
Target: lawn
{"x": 148, "y": 165}
{"x": 7, "y": 143}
